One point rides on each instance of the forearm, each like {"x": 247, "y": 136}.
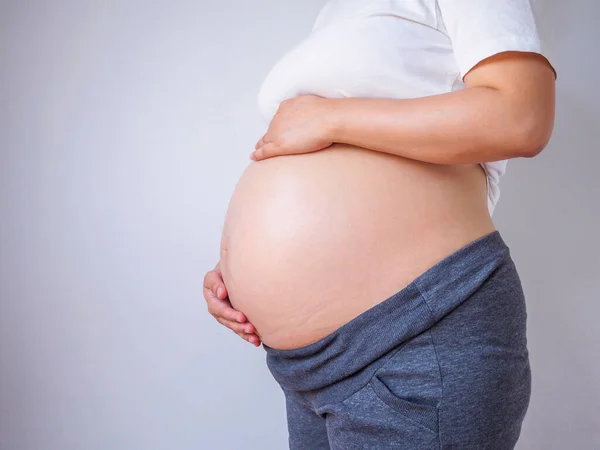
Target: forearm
{"x": 471, "y": 125}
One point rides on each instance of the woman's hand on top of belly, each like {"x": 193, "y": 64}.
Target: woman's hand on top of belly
{"x": 215, "y": 294}
{"x": 300, "y": 125}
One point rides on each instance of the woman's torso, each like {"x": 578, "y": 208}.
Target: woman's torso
{"x": 310, "y": 241}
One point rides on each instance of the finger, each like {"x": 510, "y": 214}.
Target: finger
{"x": 246, "y": 337}
{"x": 222, "y": 308}
{"x": 250, "y": 337}
{"x": 247, "y": 328}
{"x": 266, "y": 151}
{"x": 260, "y": 142}
{"x": 254, "y": 338}
{"x": 222, "y": 292}
{"x": 213, "y": 280}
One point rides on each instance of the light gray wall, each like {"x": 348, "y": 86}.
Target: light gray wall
{"x": 124, "y": 128}
{"x": 550, "y": 215}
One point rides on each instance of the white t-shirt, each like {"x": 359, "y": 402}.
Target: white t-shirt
{"x": 400, "y": 49}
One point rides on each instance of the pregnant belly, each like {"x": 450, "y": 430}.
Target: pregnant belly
{"x": 311, "y": 241}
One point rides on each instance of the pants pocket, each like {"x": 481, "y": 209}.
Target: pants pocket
{"x": 420, "y": 413}
{"x": 376, "y": 418}
{"x": 410, "y": 383}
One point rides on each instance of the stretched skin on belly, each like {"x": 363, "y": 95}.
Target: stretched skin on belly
{"x": 310, "y": 241}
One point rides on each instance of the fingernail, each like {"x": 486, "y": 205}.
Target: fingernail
{"x": 219, "y": 291}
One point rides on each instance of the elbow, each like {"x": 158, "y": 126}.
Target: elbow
{"x": 532, "y": 136}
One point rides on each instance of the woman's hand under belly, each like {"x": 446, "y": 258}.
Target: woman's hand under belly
{"x": 310, "y": 241}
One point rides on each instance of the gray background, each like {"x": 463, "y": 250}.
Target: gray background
{"x": 124, "y": 128}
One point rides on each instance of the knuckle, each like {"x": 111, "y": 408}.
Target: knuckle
{"x": 281, "y": 145}
{"x": 208, "y": 277}
{"x": 282, "y": 142}
{"x": 208, "y": 299}
{"x": 209, "y": 273}
{"x": 232, "y": 317}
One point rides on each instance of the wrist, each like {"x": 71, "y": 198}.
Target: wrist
{"x": 332, "y": 122}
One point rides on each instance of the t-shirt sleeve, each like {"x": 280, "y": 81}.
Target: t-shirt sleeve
{"x": 479, "y": 29}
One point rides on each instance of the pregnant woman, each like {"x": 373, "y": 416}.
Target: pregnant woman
{"x": 358, "y": 246}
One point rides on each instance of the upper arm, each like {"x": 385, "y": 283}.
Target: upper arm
{"x": 496, "y": 45}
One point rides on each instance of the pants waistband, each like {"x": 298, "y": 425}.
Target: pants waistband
{"x": 350, "y": 349}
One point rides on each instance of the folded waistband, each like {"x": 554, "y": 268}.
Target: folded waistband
{"x": 405, "y": 314}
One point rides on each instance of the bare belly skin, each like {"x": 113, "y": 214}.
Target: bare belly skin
{"x": 311, "y": 241}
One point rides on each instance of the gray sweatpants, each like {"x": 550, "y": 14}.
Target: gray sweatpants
{"x": 441, "y": 364}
